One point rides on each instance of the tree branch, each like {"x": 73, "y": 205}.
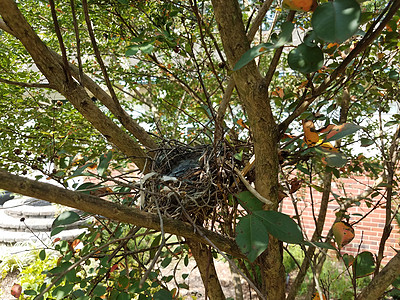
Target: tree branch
{"x": 380, "y": 282}
{"x": 27, "y": 84}
{"x": 51, "y": 67}
{"x": 114, "y": 211}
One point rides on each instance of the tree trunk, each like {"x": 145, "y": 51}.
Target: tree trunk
{"x": 203, "y": 256}
{"x": 253, "y": 91}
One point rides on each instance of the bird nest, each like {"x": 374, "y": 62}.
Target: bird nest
{"x": 190, "y": 181}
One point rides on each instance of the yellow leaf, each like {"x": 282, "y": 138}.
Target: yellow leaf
{"x": 311, "y": 137}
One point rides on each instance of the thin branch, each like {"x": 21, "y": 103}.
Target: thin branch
{"x": 258, "y": 19}
{"x": 78, "y": 41}
{"x": 28, "y": 84}
{"x": 253, "y": 190}
{"x": 97, "y": 53}
{"x": 60, "y": 40}
{"x": 277, "y": 55}
{"x": 368, "y": 38}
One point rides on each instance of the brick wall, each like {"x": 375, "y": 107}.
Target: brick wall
{"x": 368, "y": 232}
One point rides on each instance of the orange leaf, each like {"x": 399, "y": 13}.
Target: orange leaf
{"x": 316, "y": 296}
{"x": 331, "y": 45}
{"x": 279, "y": 92}
{"x": 343, "y": 233}
{"x": 241, "y": 123}
{"x": 311, "y": 137}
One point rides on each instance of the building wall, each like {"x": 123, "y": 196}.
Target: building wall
{"x": 368, "y": 231}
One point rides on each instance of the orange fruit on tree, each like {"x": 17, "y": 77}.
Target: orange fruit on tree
{"x": 300, "y": 5}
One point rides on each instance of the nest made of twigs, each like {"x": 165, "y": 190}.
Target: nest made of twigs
{"x": 189, "y": 181}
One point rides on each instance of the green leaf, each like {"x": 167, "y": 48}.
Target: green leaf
{"x": 348, "y": 259}
{"x": 123, "y": 1}
{"x": 339, "y": 131}
{"x": 284, "y": 37}
{"x": 66, "y": 218}
{"x": 393, "y": 75}
{"x": 123, "y": 296}
{"x": 162, "y": 295}
{"x": 165, "y": 263}
{"x": 81, "y": 169}
{"x": 104, "y": 162}
{"x": 306, "y": 59}
{"x": 42, "y": 254}
{"x": 30, "y": 292}
{"x": 252, "y": 236}
{"x": 88, "y": 187}
{"x": 62, "y": 292}
{"x": 366, "y": 142}
{"x": 57, "y": 230}
{"x": 239, "y": 156}
{"x": 364, "y": 264}
{"x": 320, "y": 245}
{"x": 332, "y": 158}
{"x": 335, "y": 22}
{"x": 99, "y": 290}
{"x": 280, "y": 226}
{"x": 396, "y": 283}
{"x": 249, "y": 201}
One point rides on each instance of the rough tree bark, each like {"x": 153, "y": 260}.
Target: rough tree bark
{"x": 253, "y": 91}
{"x": 205, "y": 263}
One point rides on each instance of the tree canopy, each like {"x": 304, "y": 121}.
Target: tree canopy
{"x": 196, "y": 118}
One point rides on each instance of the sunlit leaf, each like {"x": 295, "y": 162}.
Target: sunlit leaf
{"x": 336, "y": 21}
{"x": 306, "y": 59}
{"x": 339, "y": 131}
{"x": 311, "y": 137}
{"x": 300, "y": 5}
{"x": 66, "y": 218}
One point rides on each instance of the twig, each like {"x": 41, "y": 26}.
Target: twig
{"x": 97, "y": 53}
{"x": 60, "y": 41}
{"x": 158, "y": 253}
{"x": 252, "y": 190}
{"x": 74, "y": 265}
{"x": 78, "y": 41}
{"x": 28, "y": 84}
